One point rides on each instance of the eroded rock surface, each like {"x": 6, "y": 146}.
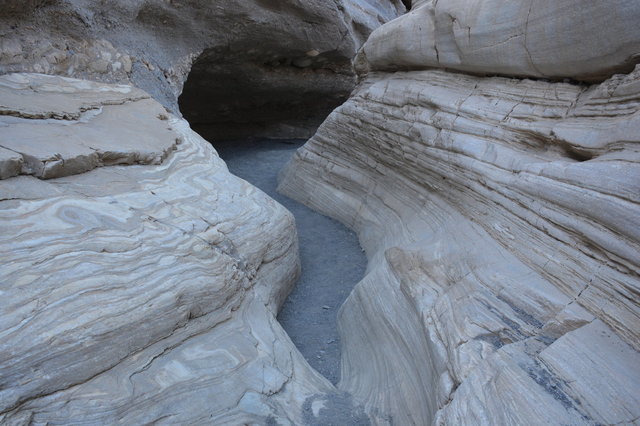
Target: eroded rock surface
{"x": 583, "y": 40}
{"x": 55, "y": 126}
{"x": 500, "y": 221}
{"x": 271, "y": 67}
{"x": 140, "y": 279}
{"x": 141, "y": 293}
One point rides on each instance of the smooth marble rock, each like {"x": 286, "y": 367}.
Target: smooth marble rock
{"x": 143, "y": 293}
{"x": 500, "y": 218}
{"x": 580, "y": 39}
{"x": 59, "y": 126}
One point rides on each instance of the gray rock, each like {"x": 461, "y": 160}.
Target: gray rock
{"x": 139, "y": 293}
{"x": 246, "y": 60}
{"x": 36, "y": 110}
{"x": 581, "y": 39}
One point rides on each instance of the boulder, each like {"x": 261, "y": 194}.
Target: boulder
{"x": 586, "y": 40}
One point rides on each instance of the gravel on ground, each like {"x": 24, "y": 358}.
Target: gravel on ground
{"x": 331, "y": 257}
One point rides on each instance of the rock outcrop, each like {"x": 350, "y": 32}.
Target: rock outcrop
{"x": 270, "y": 67}
{"x": 586, "y": 40}
{"x": 500, "y": 217}
{"x": 140, "y": 280}
{"x": 35, "y": 107}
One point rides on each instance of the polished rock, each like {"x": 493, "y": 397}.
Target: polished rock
{"x": 500, "y": 219}
{"x": 140, "y": 293}
{"x": 580, "y": 39}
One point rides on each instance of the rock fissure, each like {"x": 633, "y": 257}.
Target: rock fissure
{"x": 309, "y": 314}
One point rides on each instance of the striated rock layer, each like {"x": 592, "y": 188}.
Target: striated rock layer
{"x": 37, "y": 111}
{"x": 137, "y": 293}
{"x": 500, "y": 218}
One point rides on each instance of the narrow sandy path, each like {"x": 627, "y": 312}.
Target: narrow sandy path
{"x": 332, "y": 260}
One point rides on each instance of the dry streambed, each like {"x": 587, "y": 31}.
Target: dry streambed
{"x": 332, "y": 260}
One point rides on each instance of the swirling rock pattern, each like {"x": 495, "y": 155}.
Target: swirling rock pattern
{"x": 500, "y": 218}
{"x": 142, "y": 293}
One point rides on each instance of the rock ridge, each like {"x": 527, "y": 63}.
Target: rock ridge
{"x": 586, "y": 41}
{"x": 33, "y": 107}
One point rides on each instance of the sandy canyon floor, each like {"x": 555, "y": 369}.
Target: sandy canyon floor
{"x": 332, "y": 260}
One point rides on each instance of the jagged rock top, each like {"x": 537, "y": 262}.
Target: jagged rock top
{"x": 56, "y": 126}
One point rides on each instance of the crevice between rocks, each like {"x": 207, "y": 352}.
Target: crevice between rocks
{"x": 237, "y": 99}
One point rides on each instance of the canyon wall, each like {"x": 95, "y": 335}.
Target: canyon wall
{"x": 587, "y": 40}
{"x": 140, "y": 279}
{"x": 259, "y": 67}
{"x": 499, "y": 215}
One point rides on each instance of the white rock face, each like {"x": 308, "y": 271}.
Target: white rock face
{"x": 581, "y": 39}
{"x": 500, "y": 218}
{"x": 136, "y": 294}
{"x": 101, "y": 126}
{"x": 367, "y": 15}
{"x": 139, "y": 279}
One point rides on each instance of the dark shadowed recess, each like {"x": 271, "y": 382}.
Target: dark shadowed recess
{"x": 251, "y": 90}
{"x": 19, "y": 7}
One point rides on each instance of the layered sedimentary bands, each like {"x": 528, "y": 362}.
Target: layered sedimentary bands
{"x": 500, "y": 216}
{"x": 139, "y": 280}
{"x": 137, "y": 293}
{"x": 489, "y": 160}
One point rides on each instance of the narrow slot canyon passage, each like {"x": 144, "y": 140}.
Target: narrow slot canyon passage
{"x": 153, "y": 269}
{"x": 331, "y": 257}
{"x": 265, "y": 104}
{"x": 256, "y": 109}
